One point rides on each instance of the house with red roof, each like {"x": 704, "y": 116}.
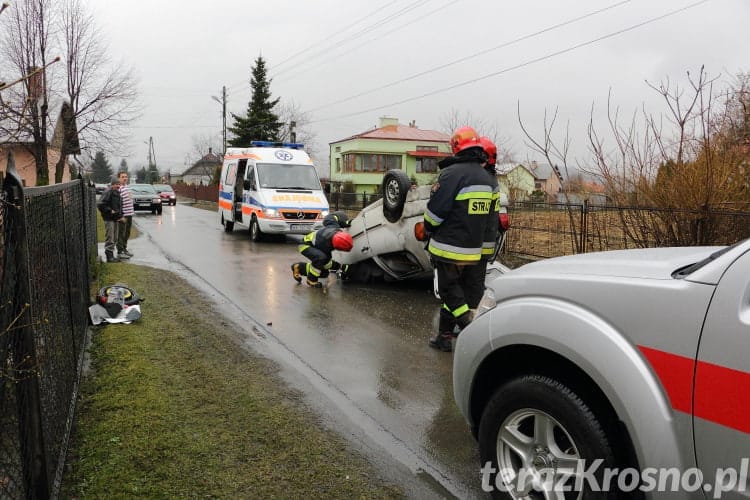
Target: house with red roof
{"x": 364, "y": 158}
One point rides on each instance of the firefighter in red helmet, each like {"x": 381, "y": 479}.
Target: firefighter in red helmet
{"x": 318, "y": 247}
{"x": 455, "y": 219}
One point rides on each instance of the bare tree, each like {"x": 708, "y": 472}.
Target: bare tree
{"x": 556, "y": 152}
{"x": 95, "y": 97}
{"x": 25, "y": 109}
{"x": 289, "y": 112}
{"x": 202, "y": 145}
{"x": 102, "y": 96}
{"x": 673, "y": 173}
{"x": 454, "y": 119}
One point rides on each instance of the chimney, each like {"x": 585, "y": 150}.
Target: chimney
{"x": 209, "y": 149}
{"x": 386, "y": 121}
{"x": 413, "y": 124}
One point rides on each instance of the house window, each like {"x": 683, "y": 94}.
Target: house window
{"x": 370, "y": 162}
{"x": 537, "y": 185}
{"x": 427, "y": 165}
{"x": 427, "y": 148}
{"x": 338, "y": 149}
{"x": 338, "y": 164}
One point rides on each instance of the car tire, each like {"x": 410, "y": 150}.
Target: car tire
{"x": 509, "y": 440}
{"x": 159, "y": 210}
{"x": 396, "y": 185}
{"x": 255, "y": 233}
{"x": 228, "y": 225}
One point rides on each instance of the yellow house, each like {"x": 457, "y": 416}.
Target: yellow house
{"x": 363, "y": 159}
{"x": 516, "y": 181}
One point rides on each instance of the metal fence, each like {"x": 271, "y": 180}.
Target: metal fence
{"x": 47, "y": 251}
{"x": 542, "y": 230}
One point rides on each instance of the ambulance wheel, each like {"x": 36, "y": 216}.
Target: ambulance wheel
{"x": 228, "y": 225}
{"x": 255, "y": 233}
{"x": 396, "y": 185}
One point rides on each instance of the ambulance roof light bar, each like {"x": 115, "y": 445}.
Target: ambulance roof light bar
{"x": 272, "y": 144}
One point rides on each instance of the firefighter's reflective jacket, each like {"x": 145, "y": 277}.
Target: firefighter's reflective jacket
{"x": 458, "y": 210}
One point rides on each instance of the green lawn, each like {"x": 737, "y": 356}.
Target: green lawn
{"x": 174, "y": 406}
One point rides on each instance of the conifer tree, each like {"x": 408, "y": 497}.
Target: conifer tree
{"x": 124, "y": 167}
{"x": 101, "y": 170}
{"x": 259, "y": 123}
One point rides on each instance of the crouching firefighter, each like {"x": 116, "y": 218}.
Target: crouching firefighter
{"x": 456, "y": 218}
{"x": 318, "y": 246}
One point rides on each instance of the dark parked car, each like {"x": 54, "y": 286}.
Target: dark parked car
{"x": 166, "y": 193}
{"x": 100, "y": 188}
{"x": 145, "y": 197}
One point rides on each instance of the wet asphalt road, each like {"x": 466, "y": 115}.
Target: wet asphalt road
{"x": 359, "y": 353}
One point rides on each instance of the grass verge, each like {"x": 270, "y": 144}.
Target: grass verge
{"x": 173, "y": 406}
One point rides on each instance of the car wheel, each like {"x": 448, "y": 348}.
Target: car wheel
{"x": 255, "y": 233}
{"x": 228, "y": 225}
{"x": 396, "y": 185}
{"x": 532, "y": 431}
{"x": 159, "y": 210}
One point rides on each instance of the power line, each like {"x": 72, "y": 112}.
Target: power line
{"x": 407, "y": 24}
{"x": 377, "y": 24}
{"x": 527, "y": 63}
{"x": 472, "y": 56}
{"x": 328, "y": 38}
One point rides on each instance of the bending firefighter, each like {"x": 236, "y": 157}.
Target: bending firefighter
{"x": 318, "y": 247}
{"x": 456, "y": 219}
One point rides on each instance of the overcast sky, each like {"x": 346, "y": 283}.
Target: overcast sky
{"x": 413, "y": 60}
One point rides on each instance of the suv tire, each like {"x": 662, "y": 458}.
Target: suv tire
{"x": 511, "y": 437}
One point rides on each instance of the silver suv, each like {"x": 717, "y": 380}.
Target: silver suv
{"x": 624, "y": 371}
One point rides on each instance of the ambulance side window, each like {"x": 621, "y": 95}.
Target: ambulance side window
{"x": 230, "y": 174}
{"x": 251, "y": 177}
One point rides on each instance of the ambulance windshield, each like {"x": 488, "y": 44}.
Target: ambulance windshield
{"x": 275, "y": 176}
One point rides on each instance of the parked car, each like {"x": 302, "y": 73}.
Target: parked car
{"x": 385, "y": 245}
{"x": 166, "y": 193}
{"x": 145, "y": 197}
{"x": 100, "y": 188}
{"x": 635, "y": 357}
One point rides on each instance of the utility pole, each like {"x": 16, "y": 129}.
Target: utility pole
{"x": 292, "y": 132}
{"x": 223, "y": 102}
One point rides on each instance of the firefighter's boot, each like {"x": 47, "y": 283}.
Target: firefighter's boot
{"x": 442, "y": 342}
{"x": 295, "y": 273}
{"x": 314, "y": 283}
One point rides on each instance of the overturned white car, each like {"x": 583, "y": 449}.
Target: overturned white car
{"x": 385, "y": 244}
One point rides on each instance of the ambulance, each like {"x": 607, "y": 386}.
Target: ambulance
{"x": 272, "y": 188}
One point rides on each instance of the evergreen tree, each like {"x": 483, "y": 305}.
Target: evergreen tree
{"x": 124, "y": 167}
{"x": 101, "y": 170}
{"x": 140, "y": 176}
{"x": 152, "y": 176}
{"x": 260, "y": 123}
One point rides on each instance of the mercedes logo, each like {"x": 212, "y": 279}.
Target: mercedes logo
{"x": 300, "y": 215}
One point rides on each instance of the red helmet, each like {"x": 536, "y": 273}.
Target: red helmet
{"x": 342, "y": 241}
{"x": 490, "y": 149}
{"x": 464, "y": 138}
